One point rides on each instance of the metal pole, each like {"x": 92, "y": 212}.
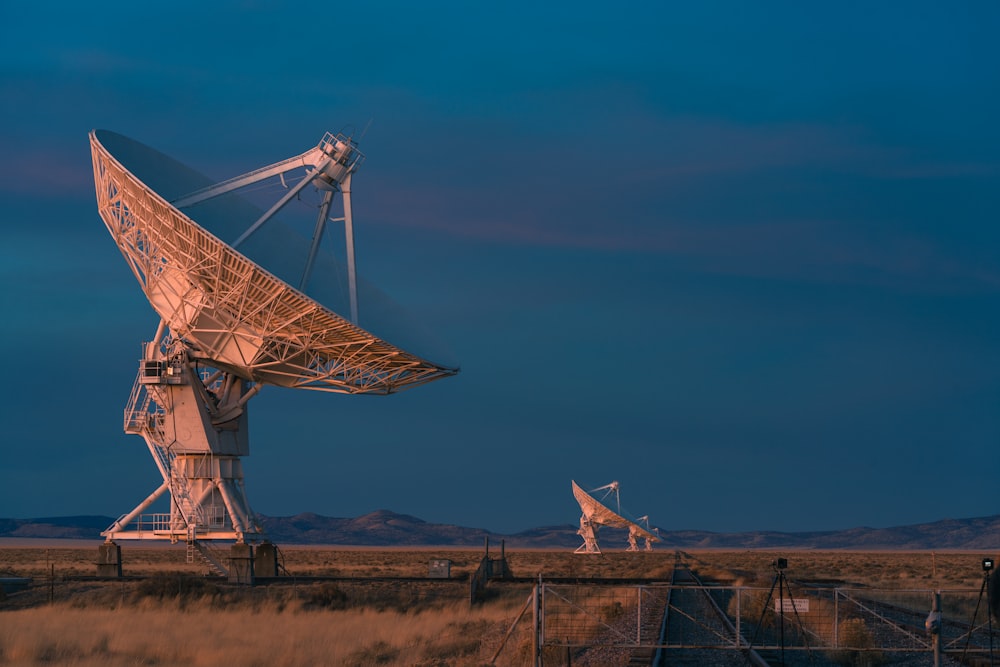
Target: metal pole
{"x": 154, "y": 345}
{"x": 536, "y": 654}
{"x": 140, "y": 508}
{"x": 541, "y": 619}
{"x": 989, "y": 613}
{"x": 836, "y": 617}
{"x": 781, "y": 618}
{"x": 236, "y": 511}
{"x": 936, "y": 636}
{"x": 352, "y": 275}
{"x": 324, "y": 213}
{"x": 281, "y": 202}
{"x": 638, "y": 618}
{"x": 310, "y": 157}
{"x": 739, "y": 616}
{"x": 510, "y": 630}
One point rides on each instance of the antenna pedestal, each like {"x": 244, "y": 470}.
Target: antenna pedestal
{"x": 596, "y": 514}
{"x": 588, "y": 531}
{"x": 234, "y": 324}
{"x": 194, "y": 422}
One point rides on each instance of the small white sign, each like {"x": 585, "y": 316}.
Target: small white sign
{"x": 792, "y": 605}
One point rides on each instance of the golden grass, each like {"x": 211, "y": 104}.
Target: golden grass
{"x": 204, "y": 635}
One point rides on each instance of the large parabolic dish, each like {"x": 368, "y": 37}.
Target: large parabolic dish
{"x": 596, "y": 514}
{"x": 231, "y": 310}
{"x": 245, "y": 299}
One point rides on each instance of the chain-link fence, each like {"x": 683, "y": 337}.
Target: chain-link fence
{"x": 612, "y": 624}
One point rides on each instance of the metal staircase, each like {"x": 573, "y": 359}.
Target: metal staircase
{"x": 208, "y": 554}
{"x": 144, "y": 416}
{"x": 173, "y": 397}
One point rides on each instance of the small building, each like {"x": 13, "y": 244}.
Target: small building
{"x": 440, "y": 568}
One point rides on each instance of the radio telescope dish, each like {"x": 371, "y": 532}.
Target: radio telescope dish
{"x": 236, "y": 315}
{"x": 596, "y": 514}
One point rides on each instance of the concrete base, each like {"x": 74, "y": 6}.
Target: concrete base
{"x": 109, "y": 560}
{"x": 265, "y": 563}
{"x": 241, "y": 564}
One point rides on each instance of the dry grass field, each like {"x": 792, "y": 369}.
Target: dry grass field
{"x": 178, "y": 616}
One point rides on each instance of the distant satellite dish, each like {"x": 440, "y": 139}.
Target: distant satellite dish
{"x": 232, "y": 321}
{"x": 596, "y": 514}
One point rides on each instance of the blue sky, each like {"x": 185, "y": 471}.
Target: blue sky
{"x": 742, "y": 259}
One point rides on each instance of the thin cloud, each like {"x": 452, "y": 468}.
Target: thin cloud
{"x": 46, "y": 172}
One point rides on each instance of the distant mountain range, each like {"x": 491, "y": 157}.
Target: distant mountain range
{"x": 384, "y": 528}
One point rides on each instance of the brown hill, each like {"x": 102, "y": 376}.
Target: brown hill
{"x": 386, "y": 528}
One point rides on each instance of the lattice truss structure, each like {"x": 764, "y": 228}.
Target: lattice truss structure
{"x": 228, "y": 327}
{"x": 232, "y": 311}
{"x": 595, "y": 514}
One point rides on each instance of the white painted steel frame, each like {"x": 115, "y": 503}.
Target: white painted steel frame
{"x": 595, "y": 514}
{"x": 195, "y": 425}
{"x": 234, "y": 313}
{"x": 219, "y": 309}
{"x": 330, "y": 166}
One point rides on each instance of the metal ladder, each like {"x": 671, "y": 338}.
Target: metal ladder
{"x": 209, "y": 556}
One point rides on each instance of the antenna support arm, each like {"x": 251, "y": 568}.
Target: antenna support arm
{"x": 334, "y": 156}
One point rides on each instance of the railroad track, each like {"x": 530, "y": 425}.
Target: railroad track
{"x": 694, "y": 629}
{"x": 677, "y": 622}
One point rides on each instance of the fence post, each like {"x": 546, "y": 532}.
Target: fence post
{"x": 534, "y": 625}
{"x": 536, "y": 635}
{"x": 836, "y": 618}
{"x": 638, "y": 618}
{"x": 739, "y": 615}
{"x": 541, "y": 621}
{"x": 933, "y": 625}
